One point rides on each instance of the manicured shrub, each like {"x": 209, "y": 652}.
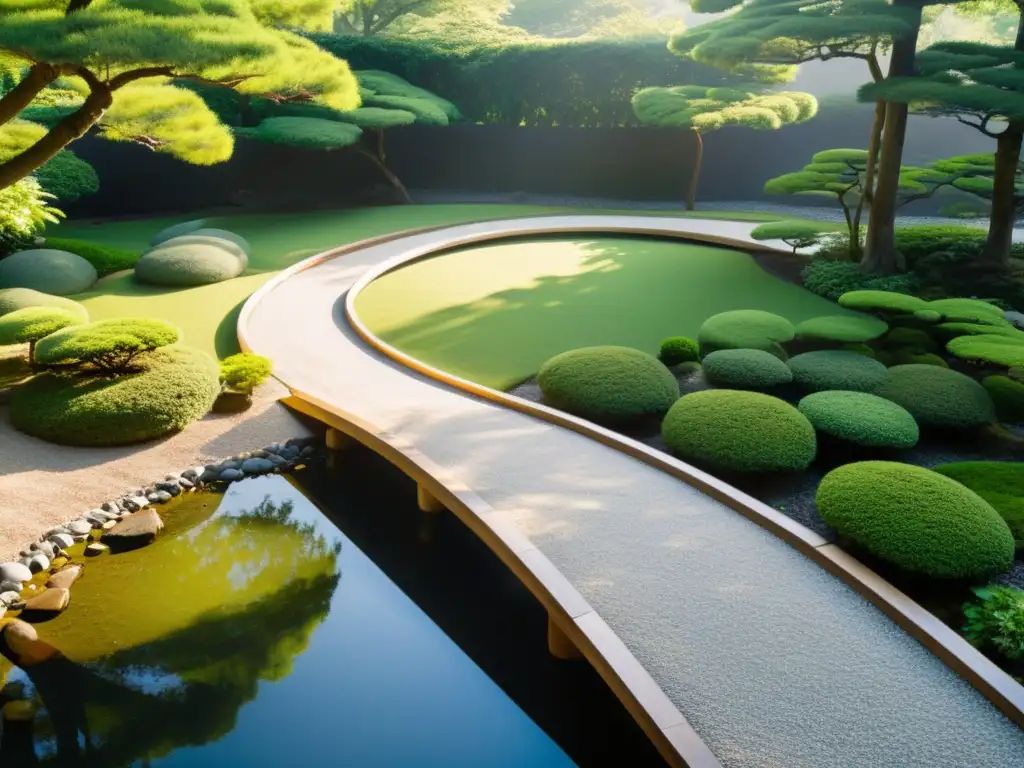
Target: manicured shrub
{"x": 918, "y": 519}
{"x": 903, "y": 357}
{"x": 928, "y": 316}
{"x": 608, "y": 384}
{"x": 173, "y": 387}
{"x": 832, "y": 278}
{"x": 842, "y": 328}
{"x": 860, "y": 349}
{"x": 1008, "y": 396}
{"x": 860, "y": 418}
{"x": 997, "y": 620}
{"x": 678, "y": 349}
{"x": 740, "y": 432}
{"x": 912, "y": 339}
{"x": 13, "y": 299}
{"x": 29, "y": 325}
{"x": 182, "y": 262}
{"x": 883, "y": 302}
{"x": 794, "y": 233}
{"x": 745, "y": 369}
{"x": 979, "y": 329}
{"x": 223, "y": 234}
{"x": 745, "y": 329}
{"x": 938, "y": 397}
{"x": 50, "y": 271}
{"x": 244, "y": 372}
{"x": 105, "y": 258}
{"x": 968, "y": 311}
{"x": 1002, "y": 351}
{"x": 67, "y": 177}
{"x": 836, "y": 369}
{"x": 1000, "y": 483}
{"x": 177, "y": 230}
{"x": 306, "y": 132}
{"x": 111, "y": 347}
{"x": 959, "y": 241}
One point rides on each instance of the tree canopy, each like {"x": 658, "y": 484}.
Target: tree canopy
{"x": 575, "y": 18}
{"x": 374, "y": 17}
{"x": 708, "y": 109}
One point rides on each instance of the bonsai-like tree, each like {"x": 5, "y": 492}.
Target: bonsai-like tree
{"x": 29, "y": 325}
{"x": 796, "y": 234}
{"x": 703, "y": 109}
{"x": 119, "y": 56}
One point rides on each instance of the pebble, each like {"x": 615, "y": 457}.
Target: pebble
{"x": 62, "y": 540}
{"x": 79, "y": 527}
{"x": 65, "y": 577}
{"x": 141, "y": 528}
{"x": 111, "y": 507}
{"x": 39, "y": 563}
{"x": 231, "y": 474}
{"x": 14, "y": 572}
{"x": 50, "y": 601}
{"x": 7, "y": 599}
{"x": 168, "y": 487}
{"x": 96, "y": 548}
{"x": 257, "y": 466}
{"x": 291, "y": 452}
{"x": 210, "y": 476}
{"x": 259, "y": 454}
{"x": 54, "y": 531}
{"x": 159, "y": 497}
{"x": 186, "y": 484}
{"x": 279, "y": 461}
{"x": 274, "y": 448}
{"x": 230, "y": 464}
{"x": 10, "y": 586}
{"x": 135, "y": 503}
{"x": 45, "y": 547}
{"x": 109, "y": 524}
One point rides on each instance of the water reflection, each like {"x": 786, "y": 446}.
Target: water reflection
{"x": 234, "y": 640}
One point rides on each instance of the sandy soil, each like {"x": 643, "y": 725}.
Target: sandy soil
{"x": 43, "y": 485}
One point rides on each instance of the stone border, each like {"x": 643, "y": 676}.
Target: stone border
{"x": 996, "y": 685}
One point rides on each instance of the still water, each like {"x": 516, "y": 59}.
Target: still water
{"x": 255, "y": 633}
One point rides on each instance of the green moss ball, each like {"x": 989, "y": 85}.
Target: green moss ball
{"x": 917, "y": 519}
{"x": 968, "y": 311}
{"x": 913, "y": 339}
{"x": 1000, "y": 483}
{"x": 1008, "y": 396}
{"x": 677, "y": 350}
{"x": 887, "y": 302}
{"x": 177, "y": 230}
{"x": 861, "y": 419}
{"x": 608, "y": 384}
{"x": 745, "y": 369}
{"x": 176, "y": 386}
{"x": 739, "y": 431}
{"x": 47, "y": 270}
{"x": 836, "y": 369}
{"x": 745, "y": 329}
{"x": 938, "y": 397}
{"x": 842, "y": 328}
{"x": 1003, "y": 351}
{"x": 13, "y": 299}
{"x": 183, "y": 264}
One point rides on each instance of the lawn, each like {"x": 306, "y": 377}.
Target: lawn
{"x": 493, "y": 314}
{"x": 207, "y": 314}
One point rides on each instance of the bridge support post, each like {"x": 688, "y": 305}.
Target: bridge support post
{"x": 337, "y": 440}
{"x": 559, "y": 644}
{"x": 426, "y": 501}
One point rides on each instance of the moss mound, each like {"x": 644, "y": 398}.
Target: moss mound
{"x": 968, "y": 311}
{"x": 836, "y": 369}
{"x": 34, "y": 323}
{"x": 918, "y": 519}
{"x": 861, "y": 419}
{"x": 677, "y": 350}
{"x": 745, "y": 329}
{"x": 177, "y": 230}
{"x": 886, "y": 302}
{"x": 980, "y": 329}
{"x": 842, "y": 328}
{"x": 1000, "y": 483}
{"x": 608, "y": 384}
{"x": 913, "y": 339}
{"x": 1003, "y": 351}
{"x": 740, "y": 432}
{"x": 1008, "y": 396}
{"x": 860, "y": 349}
{"x": 190, "y": 261}
{"x": 176, "y": 386}
{"x": 105, "y": 258}
{"x": 938, "y": 397}
{"x": 13, "y": 299}
{"x": 745, "y": 369}
{"x": 47, "y": 270}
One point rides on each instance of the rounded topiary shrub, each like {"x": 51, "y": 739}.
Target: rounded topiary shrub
{"x": 677, "y": 350}
{"x": 738, "y": 431}
{"x": 745, "y": 369}
{"x": 1008, "y": 396}
{"x": 59, "y": 273}
{"x": 13, "y": 299}
{"x": 938, "y": 397}
{"x": 836, "y": 369}
{"x": 1000, "y": 483}
{"x": 1002, "y": 351}
{"x": 111, "y": 346}
{"x": 223, "y": 234}
{"x": 608, "y": 384}
{"x": 745, "y": 329}
{"x": 885, "y": 302}
{"x": 917, "y": 519}
{"x": 177, "y": 230}
{"x": 29, "y": 325}
{"x": 174, "y": 387}
{"x": 861, "y": 419}
{"x": 186, "y": 262}
{"x": 913, "y": 339}
{"x": 968, "y": 311}
{"x": 842, "y": 328}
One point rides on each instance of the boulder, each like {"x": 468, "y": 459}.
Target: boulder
{"x": 14, "y": 572}
{"x": 257, "y": 466}
{"x": 50, "y": 601}
{"x": 135, "y": 531}
{"x": 169, "y": 486}
{"x": 230, "y": 475}
{"x": 65, "y": 577}
{"x": 23, "y": 642}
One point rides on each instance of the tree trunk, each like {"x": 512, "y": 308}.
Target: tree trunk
{"x": 880, "y": 255}
{"x": 868, "y": 192}
{"x": 39, "y": 77}
{"x": 72, "y": 127}
{"x": 1004, "y": 191}
{"x": 698, "y": 160}
{"x": 378, "y": 159}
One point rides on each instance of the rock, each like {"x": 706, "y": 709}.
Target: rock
{"x": 109, "y": 524}
{"x": 300, "y": 442}
{"x": 135, "y": 503}
{"x": 135, "y": 531}
{"x": 45, "y": 547}
{"x": 7, "y": 599}
{"x": 290, "y": 452}
{"x": 62, "y": 540}
{"x": 10, "y": 586}
{"x": 112, "y": 507}
{"x": 159, "y": 497}
{"x": 243, "y": 456}
{"x": 59, "y": 562}
{"x": 65, "y": 577}
{"x": 1015, "y": 318}
{"x": 39, "y": 563}
{"x": 229, "y": 464}
{"x": 23, "y": 641}
{"x": 231, "y": 474}
{"x": 54, "y": 531}
{"x": 79, "y": 527}
{"x": 185, "y": 484}
{"x": 193, "y": 473}
{"x": 308, "y": 451}
{"x": 278, "y": 461}
{"x": 96, "y": 548}
{"x": 168, "y": 487}
{"x": 257, "y": 466}
{"x": 14, "y": 572}
{"x": 274, "y": 448}
{"x": 97, "y": 516}
{"x": 210, "y": 476}
{"x": 50, "y": 601}
{"x": 259, "y": 454}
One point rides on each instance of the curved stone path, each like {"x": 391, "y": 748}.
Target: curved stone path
{"x": 773, "y": 661}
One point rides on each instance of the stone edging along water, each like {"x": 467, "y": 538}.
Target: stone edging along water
{"x": 1001, "y": 689}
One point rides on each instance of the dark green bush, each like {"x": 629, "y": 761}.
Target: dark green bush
{"x": 740, "y": 432}
{"x": 1008, "y": 396}
{"x": 918, "y": 519}
{"x": 907, "y": 357}
{"x": 1000, "y": 483}
{"x": 938, "y": 397}
{"x": 997, "y": 620}
{"x": 173, "y": 387}
{"x": 678, "y": 349}
{"x": 745, "y": 369}
{"x": 1001, "y": 351}
{"x": 189, "y": 261}
{"x": 105, "y": 258}
{"x": 67, "y": 177}
{"x": 177, "y": 230}
{"x": 49, "y": 271}
{"x": 860, "y": 418}
{"x": 308, "y": 132}
{"x": 860, "y": 349}
{"x": 832, "y": 278}
{"x": 110, "y": 347}
{"x": 911, "y": 339}
{"x": 13, "y": 299}
{"x": 841, "y": 328}
{"x": 961, "y": 242}
{"x": 883, "y": 302}
{"x": 745, "y": 329}
{"x": 29, "y": 325}
{"x": 608, "y": 384}
{"x": 836, "y": 369}
{"x": 244, "y": 372}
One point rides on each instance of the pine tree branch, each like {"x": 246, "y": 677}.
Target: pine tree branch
{"x": 981, "y": 125}
{"x": 38, "y": 78}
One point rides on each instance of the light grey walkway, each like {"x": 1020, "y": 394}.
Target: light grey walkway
{"x": 773, "y": 661}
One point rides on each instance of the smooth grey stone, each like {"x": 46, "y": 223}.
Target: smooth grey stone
{"x": 14, "y": 572}
{"x": 171, "y": 478}
{"x": 300, "y": 442}
{"x": 278, "y": 461}
{"x": 62, "y": 540}
{"x": 135, "y": 503}
{"x": 172, "y": 488}
{"x": 9, "y": 598}
{"x": 259, "y": 454}
{"x": 229, "y": 464}
{"x": 192, "y": 473}
{"x": 257, "y": 466}
{"x": 291, "y": 452}
{"x": 274, "y": 448}
{"x": 210, "y": 476}
{"x": 231, "y": 474}
{"x": 54, "y": 531}
{"x": 79, "y": 527}
{"x": 309, "y": 450}
{"x": 7, "y": 585}
{"x": 39, "y": 563}
{"x": 186, "y": 485}
{"x": 111, "y": 506}
{"x": 243, "y": 456}
{"x": 45, "y": 547}
{"x": 159, "y": 497}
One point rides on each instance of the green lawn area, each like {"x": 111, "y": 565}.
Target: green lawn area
{"x": 493, "y": 314}
{"x": 207, "y": 314}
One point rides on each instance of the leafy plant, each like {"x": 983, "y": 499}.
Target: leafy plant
{"x": 795, "y": 234}
{"x": 244, "y": 372}
{"x": 110, "y": 347}
{"x": 24, "y": 210}
{"x": 997, "y": 620}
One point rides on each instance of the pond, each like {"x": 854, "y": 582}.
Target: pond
{"x": 255, "y": 632}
